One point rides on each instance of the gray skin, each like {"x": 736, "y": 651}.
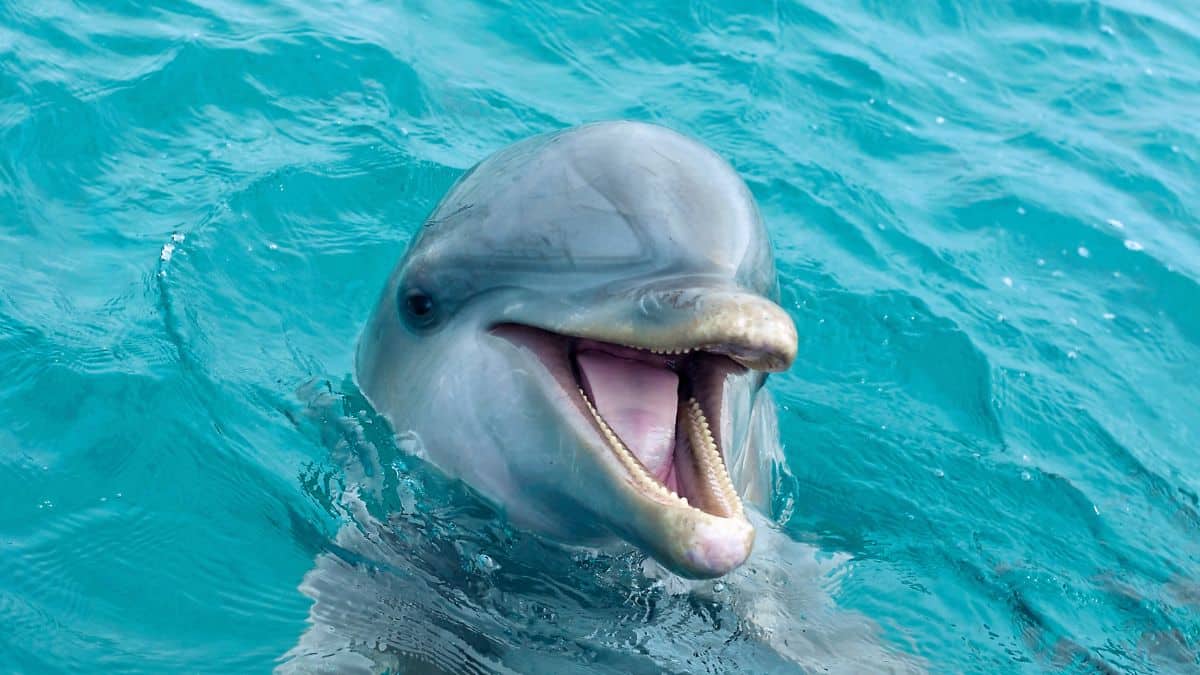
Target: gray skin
{"x": 619, "y": 232}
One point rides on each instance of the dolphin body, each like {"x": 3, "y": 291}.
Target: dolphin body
{"x": 581, "y": 331}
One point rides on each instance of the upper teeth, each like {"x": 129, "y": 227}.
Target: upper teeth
{"x": 665, "y": 352}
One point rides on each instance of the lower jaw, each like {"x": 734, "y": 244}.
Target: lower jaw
{"x": 692, "y": 519}
{"x": 688, "y": 542}
{"x": 694, "y": 525}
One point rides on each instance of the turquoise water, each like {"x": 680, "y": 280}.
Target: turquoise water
{"x": 987, "y": 223}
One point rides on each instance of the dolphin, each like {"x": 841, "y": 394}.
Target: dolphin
{"x": 581, "y": 331}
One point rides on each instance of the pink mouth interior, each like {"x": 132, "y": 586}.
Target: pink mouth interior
{"x": 640, "y": 402}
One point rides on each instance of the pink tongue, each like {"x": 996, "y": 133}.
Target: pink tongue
{"x": 639, "y": 402}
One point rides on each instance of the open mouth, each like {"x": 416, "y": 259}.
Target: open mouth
{"x": 658, "y": 411}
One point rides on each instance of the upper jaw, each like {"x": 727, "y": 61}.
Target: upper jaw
{"x": 696, "y": 525}
{"x": 712, "y": 317}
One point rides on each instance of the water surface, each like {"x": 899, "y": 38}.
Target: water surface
{"x": 987, "y": 223}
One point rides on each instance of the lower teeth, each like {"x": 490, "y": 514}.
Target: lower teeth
{"x": 711, "y": 464}
{"x": 708, "y": 459}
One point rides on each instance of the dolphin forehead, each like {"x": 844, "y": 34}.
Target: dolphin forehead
{"x": 612, "y": 199}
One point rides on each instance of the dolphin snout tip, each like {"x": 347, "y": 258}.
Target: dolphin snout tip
{"x": 763, "y": 339}
{"x": 717, "y": 546}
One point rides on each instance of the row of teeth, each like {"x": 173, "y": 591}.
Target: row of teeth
{"x": 664, "y": 352}
{"x": 704, "y": 448}
{"x": 712, "y": 465}
{"x": 672, "y": 352}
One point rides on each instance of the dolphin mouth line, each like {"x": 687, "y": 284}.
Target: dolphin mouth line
{"x": 652, "y": 408}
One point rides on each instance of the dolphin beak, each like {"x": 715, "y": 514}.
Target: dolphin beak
{"x": 746, "y": 327}
{"x": 646, "y": 378}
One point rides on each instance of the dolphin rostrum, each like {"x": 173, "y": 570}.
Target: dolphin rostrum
{"x": 581, "y": 330}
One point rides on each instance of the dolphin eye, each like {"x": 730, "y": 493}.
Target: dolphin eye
{"x": 419, "y": 303}
{"x": 418, "y": 306}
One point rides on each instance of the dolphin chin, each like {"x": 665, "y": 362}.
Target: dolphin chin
{"x": 580, "y": 331}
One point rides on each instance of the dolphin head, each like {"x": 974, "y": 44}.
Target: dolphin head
{"x": 579, "y": 332}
